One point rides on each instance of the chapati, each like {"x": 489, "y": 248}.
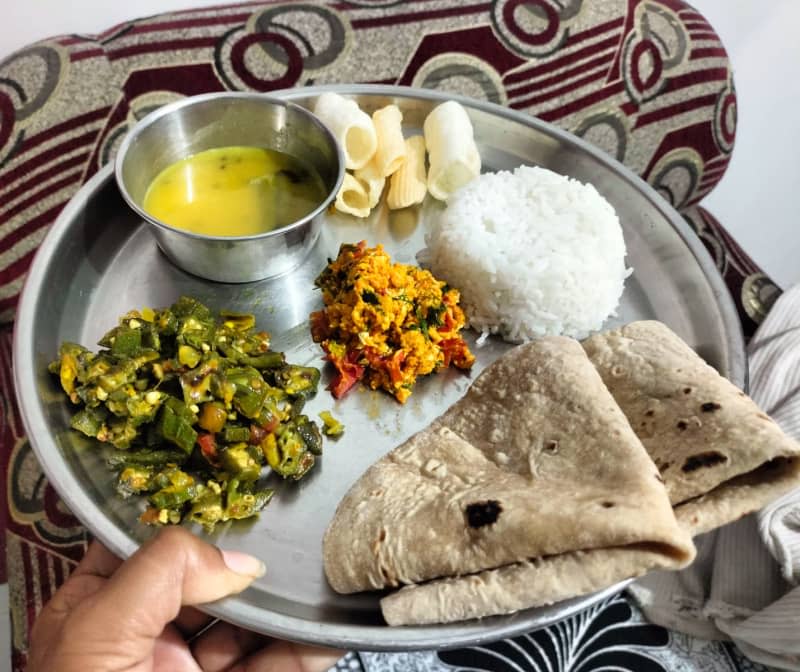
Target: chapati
{"x": 719, "y": 454}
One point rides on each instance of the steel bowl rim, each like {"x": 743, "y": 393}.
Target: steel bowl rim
{"x": 157, "y": 114}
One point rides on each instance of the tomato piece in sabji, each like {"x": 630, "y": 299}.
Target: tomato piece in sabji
{"x": 394, "y": 364}
{"x": 208, "y": 447}
{"x": 448, "y": 323}
{"x": 390, "y": 363}
{"x": 348, "y": 372}
{"x": 372, "y": 357}
{"x": 271, "y": 425}
{"x": 319, "y": 326}
{"x": 455, "y": 351}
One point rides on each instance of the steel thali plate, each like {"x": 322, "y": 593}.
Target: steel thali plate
{"x": 99, "y": 260}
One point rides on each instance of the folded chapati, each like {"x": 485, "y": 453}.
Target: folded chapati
{"x": 535, "y": 471}
{"x": 720, "y": 456}
{"x": 519, "y": 586}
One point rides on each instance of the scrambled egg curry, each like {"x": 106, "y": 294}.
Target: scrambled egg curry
{"x": 386, "y": 323}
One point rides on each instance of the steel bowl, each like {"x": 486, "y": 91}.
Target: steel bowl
{"x": 210, "y": 121}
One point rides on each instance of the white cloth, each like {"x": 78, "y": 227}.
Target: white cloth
{"x": 745, "y": 583}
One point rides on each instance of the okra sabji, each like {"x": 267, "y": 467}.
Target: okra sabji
{"x": 194, "y": 405}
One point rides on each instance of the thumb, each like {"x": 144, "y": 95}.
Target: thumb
{"x": 171, "y": 570}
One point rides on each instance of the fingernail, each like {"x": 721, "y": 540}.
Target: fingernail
{"x": 244, "y": 564}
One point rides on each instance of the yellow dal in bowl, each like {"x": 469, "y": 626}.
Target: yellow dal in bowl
{"x": 234, "y": 191}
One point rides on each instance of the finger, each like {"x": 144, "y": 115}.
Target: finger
{"x": 98, "y": 561}
{"x": 283, "y": 656}
{"x": 171, "y": 654}
{"x": 224, "y": 645}
{"x": 171, "y": 570}
{"x": 191, "y": 621}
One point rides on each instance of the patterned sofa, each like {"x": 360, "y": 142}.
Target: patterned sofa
{"x": 648, "y": 81}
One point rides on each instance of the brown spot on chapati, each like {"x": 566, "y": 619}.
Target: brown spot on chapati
{"x": 617, "y": 371}
{"x": 480, "y": 514}
{"x": 658, "y": 478}
{"x": 551, "y": 446}
{"x": 710, "y": 407}
{"x": 682, "y": 424}
{"x": 382, "y": 536}
{"x": 663, "y": 466}
{"x": 650, "y": 413}
{"x": 687, "y": 390}
{"x": 708, "y": 459}
{"x": 376, "y": 493}
{"x": 762, "y": 416}
{"x": 607, "y": 505}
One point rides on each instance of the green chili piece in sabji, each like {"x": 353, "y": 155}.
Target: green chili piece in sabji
{"x": 100, "y": 365}
{"x": 310, "y": 434}
{"x": 304, "y": 465}
{"x": 249, "y": 402}
{"x": 146, "y": 458}
{"x": 187, "y": 306}
{"x": 267, "y": 360}
{"x": 89, "y": 420}
{"x": 194, "y": 333}
{"x": 175, "y": 424}
{"x": 299, "y": 381}
{"x": 291, "y": 457}
{"x": 251, "y": 391}
{"x": 126, "y": 342}
{"x": 330, "y": 425}
{"x": 241, "y": 502}
{"x": 179, "y": 489}
{"x": 207, "y": 506}
{"x": 237, "y": 460}
{"x": 236, "y": 434}
{"x": 150, "y": 337}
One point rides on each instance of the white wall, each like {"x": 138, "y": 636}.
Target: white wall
{"x": 757, "y": 197}
{"x": 28, "y": 20}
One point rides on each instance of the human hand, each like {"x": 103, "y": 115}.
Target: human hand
{"x": 135, "y": 616}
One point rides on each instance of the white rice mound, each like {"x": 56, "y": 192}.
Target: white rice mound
{"x": 533, "y": 253}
